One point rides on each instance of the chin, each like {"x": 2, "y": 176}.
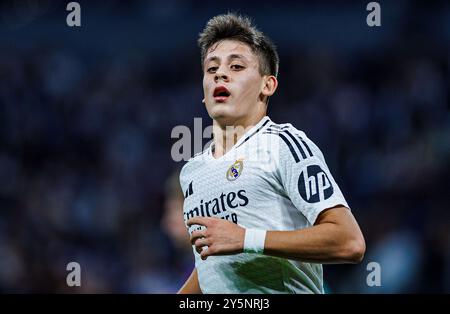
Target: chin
{"x": 219, "y": 111}
{"x": 223, "y": 117}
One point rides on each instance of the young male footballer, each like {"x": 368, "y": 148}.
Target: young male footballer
{"x": 261, "y": 206}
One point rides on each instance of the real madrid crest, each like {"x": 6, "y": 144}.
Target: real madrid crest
{"x": 235, "y": 170}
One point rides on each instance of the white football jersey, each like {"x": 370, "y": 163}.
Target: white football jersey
{"x": 274, "y": 178}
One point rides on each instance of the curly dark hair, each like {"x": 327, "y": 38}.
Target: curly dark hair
{"x": 240, "y": 28}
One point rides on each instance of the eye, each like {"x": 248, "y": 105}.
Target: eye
{"x": 211, "y": 69}
{"x": 236, "y": 67}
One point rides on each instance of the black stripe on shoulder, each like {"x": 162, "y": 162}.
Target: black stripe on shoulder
{"x": 272, "y": 130}
{"x": 300, "y": 148}
{"x": 307, "y": 147}
{"x": 304, "y": 144}
{"x": 276, "y": 129}
{"x": 286, "y": 128}
{"x": 294, "y": 139}
{"x": 291, "y": 148}
{"x": 288, "y": 143}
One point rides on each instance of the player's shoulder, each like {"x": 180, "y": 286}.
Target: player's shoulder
{"x": 273, "y": 127}
{"x": 291, "y": 140}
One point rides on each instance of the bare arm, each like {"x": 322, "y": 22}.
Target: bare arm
{"x": 334, "y": 238}
{"x": 191, "y": 286}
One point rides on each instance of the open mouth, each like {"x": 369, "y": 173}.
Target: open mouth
{"x": 221, "y": 93}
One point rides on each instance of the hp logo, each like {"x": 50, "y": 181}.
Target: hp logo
{"x": 314, "y": 185}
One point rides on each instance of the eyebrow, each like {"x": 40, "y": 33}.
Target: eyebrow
{"x": 230, "y": 57}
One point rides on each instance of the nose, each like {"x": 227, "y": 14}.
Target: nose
{"x": 221, "y": 75}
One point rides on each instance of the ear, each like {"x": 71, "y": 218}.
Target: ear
{"x": 270, "y": 84}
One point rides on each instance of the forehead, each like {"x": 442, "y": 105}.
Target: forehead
{"x": 224, "y": 48}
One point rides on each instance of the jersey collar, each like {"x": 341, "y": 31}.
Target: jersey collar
{"x": 245, "y": 137}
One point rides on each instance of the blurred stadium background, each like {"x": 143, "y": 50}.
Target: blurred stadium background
{"x": 86, "y": 116}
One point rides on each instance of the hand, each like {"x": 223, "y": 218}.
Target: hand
{"x": 221, "y": 237}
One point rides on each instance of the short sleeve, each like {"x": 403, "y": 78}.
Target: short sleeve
{"x": 304, "y": 175}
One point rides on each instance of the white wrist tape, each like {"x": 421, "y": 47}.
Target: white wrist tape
{"x": 254, "y": 241}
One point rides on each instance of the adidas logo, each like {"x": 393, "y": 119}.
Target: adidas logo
{"x": 189, "y": 190}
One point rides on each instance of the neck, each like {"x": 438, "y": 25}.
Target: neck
{"x": 226, "y": 136}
